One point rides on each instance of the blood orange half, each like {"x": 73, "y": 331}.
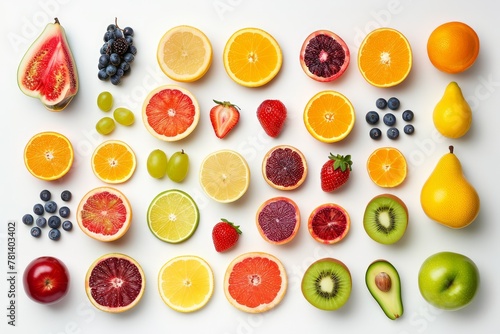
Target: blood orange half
{"x": 324, "y": 56}
{"x": 284, "y": 167}
{"x": 115, "y": 283}
{"x": 255, "y": 282}
{"x": 104, "y": 214}
{"x": 170, "y": 113}
{"x": 278, "y": 220}
{"x": 329, "y": 223}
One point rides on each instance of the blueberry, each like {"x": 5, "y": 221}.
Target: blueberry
{"x": 110, "y": 69}
{"x": 115, "y": 79}
{"x": 375, "y": 133}
{"x": 392, "y": 133}
{"x": 393, "y": 103}
{"x": 102, "y": 75}
{"x": 28, "y": 219}
{"x": 54, "y": 234}
{"x": 409, "y": 129}
{"x": 132, "y": 49}
{"x": 408, "y": 115}
{"x": 66, "y": 195}
{"x": 381, "y": 103}
{"x": 38, "y": 209}
{"x": 35, "y": 231}
{"x": 54, "y": 222}
{"x": 41, "y": 221}
{"x": 64, "y": 211}
{"x": 389, "y": 119}
{"x": 128, "y": 57}
{"x": 51, "y": 207}
{"x": 372, "y": 117}
{"x": 127, "y": 31}
{"x": 67, "y": 225}
{"x": 45, "y": 195}
{"x": 114, "y": 59}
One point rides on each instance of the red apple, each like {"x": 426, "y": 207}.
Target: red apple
{"x": 46, "y": 280}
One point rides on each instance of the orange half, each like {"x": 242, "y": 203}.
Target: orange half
{"x": 387, "y": 167}
{"x": 385, "y": 57}
{"x": 252, "y": 57}
{"x": 113, "y": 162}
{"x": 48, "y": 155}
{"x": 329, "y": 116}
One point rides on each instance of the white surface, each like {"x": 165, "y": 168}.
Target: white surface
{"x": 289, "y": 23}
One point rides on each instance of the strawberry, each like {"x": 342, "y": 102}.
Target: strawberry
{"x": 224, "y": 117}
{"x": 225, "y": 235}
{"x": 272, "y": 115}
{"x": 335, "y": 172}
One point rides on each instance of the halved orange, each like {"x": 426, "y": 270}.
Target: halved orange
{"x": 385, "y": 57}
{"x": 252, "y": 57}
{"x": 104, "y": 214}
{"x": 184, "y": 53}
{"x": 48, "y": 155}
{"x": 113, "y": 161}
{"x": 329, "y": 116}
{"x": 255, "y": 282}
{"x": 284, "y": 167}
{"x": 387, "y": 167}
{"x": 170, "y": 113}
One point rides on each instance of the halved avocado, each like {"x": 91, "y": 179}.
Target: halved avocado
{"x": 384, "y": 284}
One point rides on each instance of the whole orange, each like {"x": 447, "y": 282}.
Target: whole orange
{"x": 453, "y": 47}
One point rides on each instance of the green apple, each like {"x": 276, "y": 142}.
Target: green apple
{"x": 448, "y": 280}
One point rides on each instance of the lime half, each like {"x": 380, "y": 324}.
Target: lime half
{"x": 173, "y": 216}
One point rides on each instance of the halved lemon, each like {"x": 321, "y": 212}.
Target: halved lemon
{"x": 186, "y": 283}
{"x": 184, "y": 53}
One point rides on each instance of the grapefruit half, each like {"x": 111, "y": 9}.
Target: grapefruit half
{"x": 255, "y": 282}
{"x": 104, "y": 214}
{"x": 170, "y": 112}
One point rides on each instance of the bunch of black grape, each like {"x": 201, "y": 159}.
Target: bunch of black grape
{"x": 117, "y": 53}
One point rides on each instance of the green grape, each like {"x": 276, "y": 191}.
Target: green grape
{"x": 177, "y": 166}
{"x": 124, "y": 116}
{"x": 157, "y": 164}
{"x": 105, "y": 101}
{"x": 105, "y": 125}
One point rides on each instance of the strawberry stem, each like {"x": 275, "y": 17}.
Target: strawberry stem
{"x": 236, "y": 227}
{"x": 226, "y": 104}
{"x": 341, "y": 161}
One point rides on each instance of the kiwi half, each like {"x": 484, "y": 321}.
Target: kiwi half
{"x": 385, "y": 219}
{"x": 327, "y": 284}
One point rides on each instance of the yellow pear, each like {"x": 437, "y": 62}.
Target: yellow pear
{"x": 452, "y": 115}
{"x": 447, "y": 197}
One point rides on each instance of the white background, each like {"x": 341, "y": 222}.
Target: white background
{"x": 289, "y": 24}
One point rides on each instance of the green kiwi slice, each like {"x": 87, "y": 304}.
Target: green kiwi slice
{"x": 385, "y": 219}
{"x": 327, "y": 284}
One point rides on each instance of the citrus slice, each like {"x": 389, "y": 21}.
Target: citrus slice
{"x": 170, "y": 113}
{"x": 284, "y": 167}
{"x": 115, "y": 283}
{"x": 224, "y": 175}
{"x": 385, "y": 57}
{"x": 324, "y": 56}
{"x": 329, "y": 223}
{"x": 278, "y": 220}
{"x": 329, "y": 116}
{"x": 184, "y": 53}
{"x": 453, "y": 47}
{"x": 255, "y": 282}
{"x": 252, "y": 57}
{"x": 104, "y": 213}
{"x": 186, "y": 283}
{"x": 48, "y": 155}
{"x": 113, "y": 161}
{"x": 173, "y": 216}
{"x": 387, "y": 167}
